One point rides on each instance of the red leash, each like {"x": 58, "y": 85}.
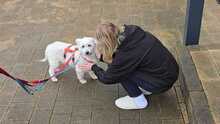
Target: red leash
{"x": 35, "y": 85}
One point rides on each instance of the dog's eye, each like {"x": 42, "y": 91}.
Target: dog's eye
{"x": 83, "y": 46}
{"x": 89, "y": 45}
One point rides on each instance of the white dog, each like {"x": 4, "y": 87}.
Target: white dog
{"x": 85, "y": 51}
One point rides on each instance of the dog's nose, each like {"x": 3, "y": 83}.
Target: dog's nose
{"x": 87, "y": 53}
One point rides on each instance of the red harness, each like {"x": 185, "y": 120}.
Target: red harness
{"x": 66, "y": 63}
{"x": 66, "y": 50}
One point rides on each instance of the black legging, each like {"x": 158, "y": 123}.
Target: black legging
{"x": 132, "y": 83}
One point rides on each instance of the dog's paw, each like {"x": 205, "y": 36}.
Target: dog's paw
{"x": 94, "y": 77}
{"x": 54, "y": 79}
{"x": 82, "y": 81}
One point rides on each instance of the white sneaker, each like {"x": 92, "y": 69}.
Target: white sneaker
{"x": 129, "y": 103}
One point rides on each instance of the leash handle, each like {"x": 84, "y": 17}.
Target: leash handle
{"x": 22, "y": 83}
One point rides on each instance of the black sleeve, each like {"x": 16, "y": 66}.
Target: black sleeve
{"x": 120, "y": 67}
{"x": 99, "y": 72}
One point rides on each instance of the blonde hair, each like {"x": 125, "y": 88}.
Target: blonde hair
{"x": 107, "y": 36}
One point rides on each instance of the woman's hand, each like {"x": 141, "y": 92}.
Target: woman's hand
{"x": 98, "y": 55}
{"x": 87, "y": 66}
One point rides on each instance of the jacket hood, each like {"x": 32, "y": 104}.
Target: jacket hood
{"x": 131, "y": 36}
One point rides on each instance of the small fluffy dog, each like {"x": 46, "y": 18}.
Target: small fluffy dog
{"x": 85, "y": 51}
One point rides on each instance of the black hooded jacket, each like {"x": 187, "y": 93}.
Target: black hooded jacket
{"x": 140, "y": 52}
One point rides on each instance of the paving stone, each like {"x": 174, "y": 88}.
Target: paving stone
{"x": 3, "y": 110}
{"x": 19, "y": 111}
{"x": 188, "y": 69}
{"x": 19, "y": 70}
{"x": 14, "y": 122}
{"x": 81, "y": 101}
{"x": 151, "y": 121}
{"x": 23, "y": 97}
{"x": 151, "y": 114}
{"x": 105, "y": 95}
{"x": 133, "y": 121}
{"x": 108, "y": 101}
{"x": 169, "y": 99}
{"x": 211, "y": 89}
{"x": 179, "y": 121}
{"x": 203, "y": 116}
{"x": 7, "y": 62}
{"x": 40, "y": 117}
{"x": 184, "y": 112}
{"x": 48, "y": 95}
{"x": 211, "y": 46}
{"x": 63, "y": 107}
{"x": 36, "y": 70}
{"x": 66, "y": 93}
{"x": 45, "y": 104}
{"x": 81, "y": 112}
{"x": 99, "y": 87}
{"x": 104, "y": 108}
{"x": 86, "y": 121}
{"x": 179, "y": 94}
{"x": 60, "y": 119}
{"x": 6, "y": 96}
{"x": 216, "y": 58}
{"x": 50, "y": 90}
{"x": 24, "y": 56}
{"x": 8, "y": 86}
{"x": 85, "y": 90}
{"x": 99, "y": 117}
{"x": 133, "y": 115}
{"x": 197, "y": 99}
{"x": 202, "y": 60}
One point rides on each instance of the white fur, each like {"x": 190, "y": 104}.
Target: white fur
{"x": 54, "y": 54}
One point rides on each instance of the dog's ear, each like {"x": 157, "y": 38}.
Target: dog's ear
{"x": 78, "y": 40}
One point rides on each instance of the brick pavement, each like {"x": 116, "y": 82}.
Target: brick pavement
{"x": 206, "y": 57}
{"x": 26, "y": 27}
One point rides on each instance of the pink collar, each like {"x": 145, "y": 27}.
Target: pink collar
{"x": 90, "y": 61}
